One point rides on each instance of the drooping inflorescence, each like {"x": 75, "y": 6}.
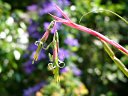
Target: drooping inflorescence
{"x": 101, "y": 37}
{"x": 68, "y": 22}
{"x": 41, "y": 42}
{"x": 55, "y": 63}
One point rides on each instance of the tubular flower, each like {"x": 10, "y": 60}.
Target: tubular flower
{"x": 56, "y": 63}
{"x": 42, "y": 41}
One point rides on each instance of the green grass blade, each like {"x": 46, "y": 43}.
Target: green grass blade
{"x": 104, "y": 10}
{"x": 115, "y": 59}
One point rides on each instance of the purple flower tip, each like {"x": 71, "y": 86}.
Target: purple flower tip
{"x": 33, "y": 7}
{"x": 41, "y": 55}
{"x": 63, "y": 3}
{"x": 28, "y": 67}
{"x": 46, "y": 24}
{"x": 71, "y": 41}
{"x": 31, "y": 91}
{"x": 32, "y": 47}
{"x": 75, "y": 70}
{"x": 65, "y": 69}
{"x": 63, "y": 54}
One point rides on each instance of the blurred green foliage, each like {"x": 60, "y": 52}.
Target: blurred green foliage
{"x": 12, "y": 46}
{"x": 99, "y": 68}
{"x": 68, "y": 86}
{"x": 99, "y": 73}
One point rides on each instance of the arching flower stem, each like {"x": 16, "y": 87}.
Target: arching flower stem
{"x": 90, "y": 31}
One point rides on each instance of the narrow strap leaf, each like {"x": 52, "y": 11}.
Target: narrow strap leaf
{"x": 115, "y": 59}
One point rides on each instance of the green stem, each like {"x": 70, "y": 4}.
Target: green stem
{"x": 115, "y": 59}
{"x": 103, "y": 10}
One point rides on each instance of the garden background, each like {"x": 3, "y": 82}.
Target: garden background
{"x": 89, "y": 71}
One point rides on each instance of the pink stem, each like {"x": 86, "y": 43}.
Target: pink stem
{"x": 92, "y": 32}
{"x": 64, "y": 15}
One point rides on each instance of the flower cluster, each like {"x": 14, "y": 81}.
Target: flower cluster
{"x": 55, "y": 63}
{"x": 72, "y": 68}
{"x": 71, "y": 41}
{"x": 63, "y": 53}
{"x": 34, "y": 29}
{"x": 32, "y": 90}
{"x": 68, "y": 82}
{"x": 48, "y": 7}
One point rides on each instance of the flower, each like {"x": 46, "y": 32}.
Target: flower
{"x": 63, "y": 3}
{"x": 46, "y": 24}
{"x": 26, "y": 55}
{"x": 32, "y": 47}
{"x": 32, "y": 90}
{"x": 55, "y": 27}
{"x": 41, "y": 42}
{"x": 35, "y": 35}
{"x": 71, "y": 41}
{"x": 41, "y": 56}
{"x": 76, "y": 71}
{"x": 73, "y": 69}
{"x": 33, "y": 29}
{"x": 33, "y": 7}
{"x": 63, "y": 54}
{"x": 33, "y": 26}
{"x": 65, "y": 69}
{"x": 28, "y": 67}
{"x": 47, "y": 7}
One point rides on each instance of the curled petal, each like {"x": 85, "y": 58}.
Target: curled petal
{"x": 51, "y": 66}
{"x": 38, "y": 42}
{"x": 36, "y": 55}
{"x": 61, "y": 64}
